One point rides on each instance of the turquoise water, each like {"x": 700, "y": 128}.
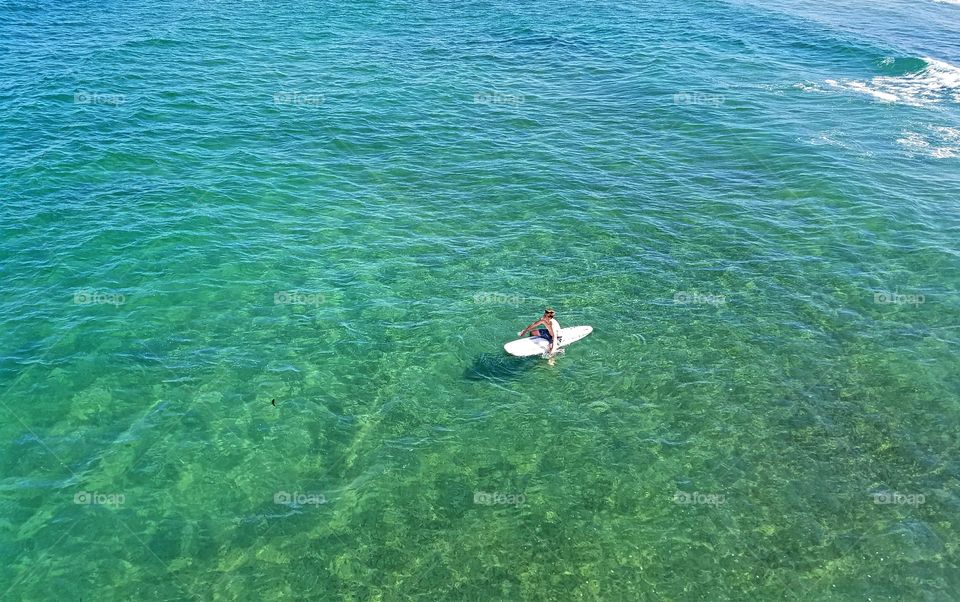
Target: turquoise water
{"x": 349, "y": 207}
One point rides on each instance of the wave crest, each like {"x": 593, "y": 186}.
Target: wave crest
{"x": 933, "y": 82}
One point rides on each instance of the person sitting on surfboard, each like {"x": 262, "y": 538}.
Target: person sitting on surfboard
{"x": 550, "y": 330}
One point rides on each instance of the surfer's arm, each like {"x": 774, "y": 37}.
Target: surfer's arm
{"x": 531, "y": 327}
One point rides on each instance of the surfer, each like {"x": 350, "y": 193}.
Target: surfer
{"x": 550, "y": 330}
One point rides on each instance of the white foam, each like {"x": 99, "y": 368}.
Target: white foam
{"x": 913, "y": 141}
{"x": 861, "y": 87}
{"x": 809, "y": 86}
{"x": 837, "y": 137}
{"x": 938, "y": 142}
{"x": 948, "y": 134}
{"x": 938, "y": 82}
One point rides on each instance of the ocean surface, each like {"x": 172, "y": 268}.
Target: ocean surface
{"x": 258, "y": 261}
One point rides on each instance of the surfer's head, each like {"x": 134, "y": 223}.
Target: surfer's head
{"x": 549, "y": 312}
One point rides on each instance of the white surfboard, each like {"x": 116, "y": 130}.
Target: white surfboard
{"x": 538, "y": 345}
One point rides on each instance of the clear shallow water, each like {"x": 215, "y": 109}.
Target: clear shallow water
{"x": 734, "y": 196}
